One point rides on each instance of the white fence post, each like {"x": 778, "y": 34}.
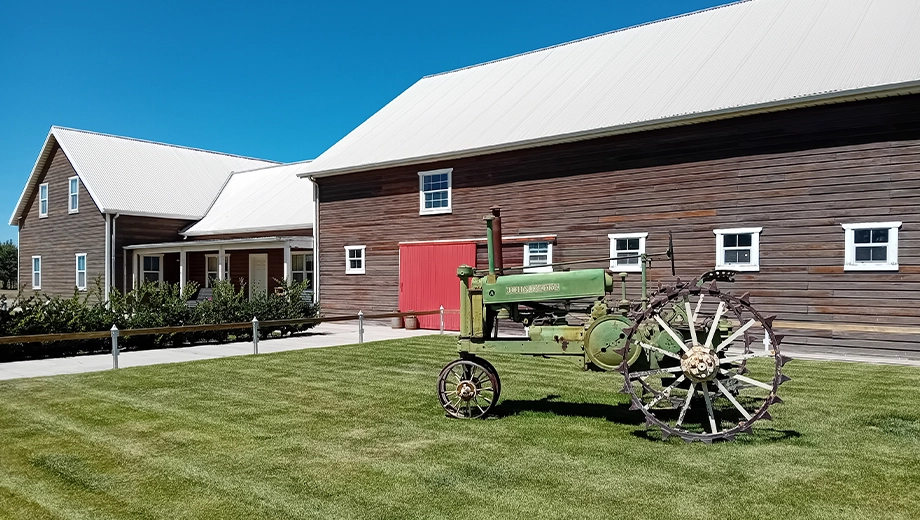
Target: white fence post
{"x": 114, "y": 346}
{"x": 360, "y": 326}
{"x": 255, "y": 335}
{"x": 442, "y": 319}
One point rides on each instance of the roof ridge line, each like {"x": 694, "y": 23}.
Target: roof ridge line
{"x": 586, "y": 38}
{"x": 278, "y": 165}
{"x": 148, "y": 141}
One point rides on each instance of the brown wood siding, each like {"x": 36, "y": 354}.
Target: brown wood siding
{"x": 132, "y": 230}
{"x": 305, "y": 232}
{"x": 239, "y": 267}
{"x": 61, "y": 235}
{"x": 798, "y": 174}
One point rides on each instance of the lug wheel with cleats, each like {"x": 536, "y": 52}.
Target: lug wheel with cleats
{"x": 724, "y": 376}
{"x": 468, "y": 388}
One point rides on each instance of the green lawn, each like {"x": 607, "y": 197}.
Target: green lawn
{"x": 356, "y": 432}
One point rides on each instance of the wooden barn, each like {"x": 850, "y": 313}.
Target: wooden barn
{"x": 125, "y": 211}
{"x": 779, "y": 138}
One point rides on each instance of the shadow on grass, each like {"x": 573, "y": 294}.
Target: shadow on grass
{"x": 619, "y": 413}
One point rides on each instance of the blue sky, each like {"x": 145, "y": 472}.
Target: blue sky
{"x": 274, "y": 80}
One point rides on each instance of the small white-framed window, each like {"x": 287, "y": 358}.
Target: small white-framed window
{"x": 354, "y": 259}
{"x": 212, "y": 273}
{"x": 625, "y": 251}
{"x": 152, "y": 268}
{"x": 43, "y": 200}
{"x": 81, "y": 271}
{"x": 537, "y": 256}
{"x": 73, "y": 195}
{"x": 738, "y": 249}
{"x": 871, "y": 246}
{"x": 435, "y": 191}
{"x": 36, "y": 272}
{"x": 302, "y": 268}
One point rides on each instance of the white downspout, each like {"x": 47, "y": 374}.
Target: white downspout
{"x": 108, "y": 255}
{"x": 315, "y": 239}
{"x": 112, "y": 252}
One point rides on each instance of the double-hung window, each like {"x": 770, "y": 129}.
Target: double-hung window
{"x": 81, "y": 271}
{"x": 302, "y": 268}
{"x": 36, "y": 272}
{"x": 434, "y": 191}
{"x": 872, "y": 246}
{"x": 73, "y": 197}
{"x": 212, "y": 271}
{"x": 738, "y": 249}
{"x": 354, "y": 259}
{"x": 537, "y": 257}
{"x": 43, "y": 200}
{"x": 626, "y": 250}
{"x": 152, "y": 268}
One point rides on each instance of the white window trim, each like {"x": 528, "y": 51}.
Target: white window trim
{"x": 39, "y": 272}
{"x": 71, "y": 195}
{"x": 549, "y": 258}
{"x": 40, "y": 199}
{"x": 307, "y": 266}
{"x": 421, "y": 192}
{"x": 144, "y": 271}
{"x": 77, "y": 269}
{"x": 849, "y": 261}
{"x": 754, "y": 266}
{"x": 626, "y": 268}
{"x": 363, "y": 269}
{"x": 207, "y": 279}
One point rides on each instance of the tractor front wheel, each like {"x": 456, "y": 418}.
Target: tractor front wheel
{"x": 468, "y": 388}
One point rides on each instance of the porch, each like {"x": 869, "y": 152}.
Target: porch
{"x": 258, "y": 264}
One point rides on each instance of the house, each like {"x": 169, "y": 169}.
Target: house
{"x": 93, "y": 201}
{"x": 779, "y": 138}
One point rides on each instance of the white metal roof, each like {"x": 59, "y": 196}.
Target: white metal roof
{"x": 136, "y": 177}
{"x": 271, "y": 198}
{"x": 229, "y": 244}
{"x": 748, "y": 56}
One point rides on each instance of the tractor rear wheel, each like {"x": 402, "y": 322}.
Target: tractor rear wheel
{"x": 468, "y": 388}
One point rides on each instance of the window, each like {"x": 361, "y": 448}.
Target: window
{"x": 302, "y": 267}
{"x": 81, "y": 271}
{"x": 43, "y": 200}
{"x": 36, "y": 272}
{"x": 354, "y": 259}
{"x": 536, "y": 257}
{"x": 212, "y": 273}
{"x": 73, "y": 200}
{"x": 434, "y": 191}
{"x": 738, "y": 249}
{"x": 625, "y": 249}
{"x": 152, "y": 268}
{"x": 871, "y": 247}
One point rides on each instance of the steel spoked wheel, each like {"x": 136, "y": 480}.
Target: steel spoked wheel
{"x": 468, "y": 388}
{"x": 720, "y": 376}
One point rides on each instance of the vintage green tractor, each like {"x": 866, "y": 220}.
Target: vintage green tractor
{"x": 687, "y": 351}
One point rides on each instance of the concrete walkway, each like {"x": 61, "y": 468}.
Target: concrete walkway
{"x": 323, "y": 335}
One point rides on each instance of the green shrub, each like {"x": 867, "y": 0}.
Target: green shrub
{"x": 151, "y": 305}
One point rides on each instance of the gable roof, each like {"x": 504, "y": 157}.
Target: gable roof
{"x": 265, "y": 199}
{"x": 753, "y": 55}
{"x": 137, "y": 177}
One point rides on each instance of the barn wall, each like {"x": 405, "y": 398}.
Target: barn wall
{"x": 58, "y": 237}
{"x": 799, "y": 174}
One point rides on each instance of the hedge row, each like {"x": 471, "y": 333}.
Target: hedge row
{"x": 150, "y": 305}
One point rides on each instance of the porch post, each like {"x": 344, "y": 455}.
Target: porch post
{"x": 135, "y": 275}
{"x": 220, "y": 264}
{"x": 183, "y": 273}
{"x": 288, "y": 277}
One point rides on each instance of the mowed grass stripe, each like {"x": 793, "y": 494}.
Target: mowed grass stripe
{"x": 356, "y": 432}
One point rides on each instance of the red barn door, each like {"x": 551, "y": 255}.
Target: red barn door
{"x": 428, "y": 279}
